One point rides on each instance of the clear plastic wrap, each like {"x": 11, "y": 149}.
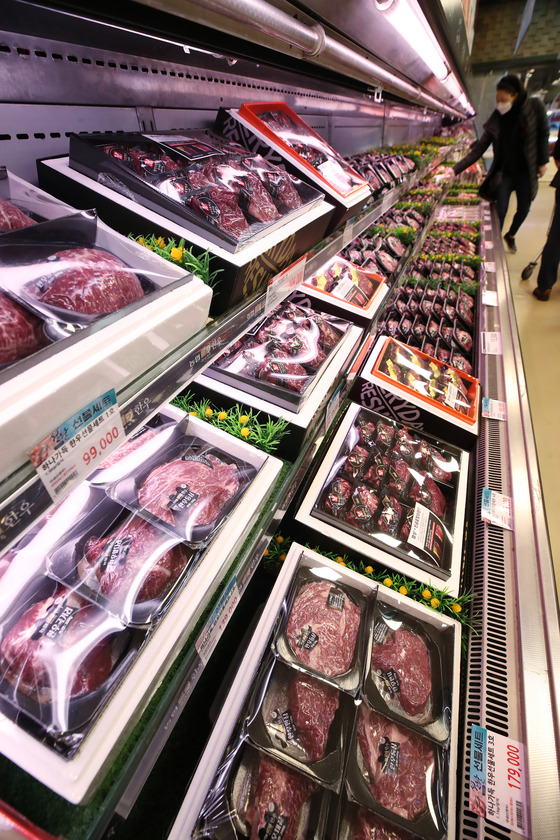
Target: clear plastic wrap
{"x": 341, "y": 279}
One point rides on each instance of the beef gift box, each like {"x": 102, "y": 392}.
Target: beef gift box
{"x": 311, "y": 730}
{"x": 282, "y": 137}
{"x": 407, "y": 385}
{"x": 246, "y": 254}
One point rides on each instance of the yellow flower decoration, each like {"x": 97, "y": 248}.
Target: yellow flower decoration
{"x": 435, "y": 603}
{"x": 456, "y": 608}
{"x": 222, "y": 415}
{"x": 176, "y": 254}
{"x": 243, "y": 419}
{"x": 209, "y": 412}
{"x": 279, "y": 539}
{"x": 193, "y": 413}
{"x": 245, "y": 432}
{"x": 160, "y": 242}
{"x": 388, "y": 582}
{"x": 282, "y": 557}
{"x": 426, "y": 594}
{"x": 266, "y": 552}
{"x": 140, "y": 240}
{"x": 403, "y": 590}
{"x": 340, "y": 560}
{"x": 368, "y": 570}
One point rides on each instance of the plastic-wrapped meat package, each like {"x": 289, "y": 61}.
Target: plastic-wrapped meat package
{"x": 399, "y": 478}
{"x": 251, "y": 194}
{"x": 461, "y": 363}
{"x": 328, "y": 335}
{"x": 395, "y": 245}
{"x": 279, "y": 798}
{"x": 367, "y": 431}
{"x": 385, "y": 434}
{"x": 386, "y": 261}
{"x": 300, "y": 344}
{"x": 365, "y": 504}
{"x": 356, "y": 461}
{"x": 279, "y": 369}
{"x": 404, "y": 445}
{"x": 12, "y": 218}
{"x": 377, "y": 471}
{"x": 425, "y": 491}
{"x": 57, "y": 652}
{"x": 463, "y": 338}
{"x": 369, "y": 826}
{"x": 279, "y": 185}
{"x": 21, "y": 332}
{"x": 219, "y": 207}
{"x": 389, "y": 519}
{"x": 322, "y": 628}
{"x": 337, "y": 496}
{"x": 298, "y": 711}
{"x": 401, "y": 667}
{"x": 400, "y": 764}
{"x": 86, "y": 280}
{"x": 135, "y": 562}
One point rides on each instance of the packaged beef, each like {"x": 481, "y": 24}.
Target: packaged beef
{"x": 402, "y": 664}
{"x": 128, "y": 447}
{"x": 425, "y": 491}
{"x": 356, "y": 461}
{"x": 390, "y": 517}
{"x": 21, "y": 332}
{"x": 219, "y": 208}
{"x": 251, "y": 194}
{"x": 400, "y": 765}
{"x": 278, "y": 801}
{"x": 337, "y": 495}
{"x": 399, "y": 477}
{"x": 377, "y": 471}
{"x": 365, "y": 503}
{"x": 134, "y": 562}
{"x": 280, "y": 370}
{"x": 322, "y": 628}
{"x": 86, "y": 280}
{"x": 12, "y": 218}
{"x": 369, "y": 826}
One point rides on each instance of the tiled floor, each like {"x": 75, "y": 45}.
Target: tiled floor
{"x": 539, "y": 332}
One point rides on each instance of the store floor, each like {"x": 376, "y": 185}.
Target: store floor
{"x": 539, "y": 332}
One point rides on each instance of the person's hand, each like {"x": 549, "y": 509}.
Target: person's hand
{"x": 542, "y": 170}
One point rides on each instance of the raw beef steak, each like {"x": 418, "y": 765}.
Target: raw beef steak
{"x": 48, "y": 631}
{"x": 89, "y": 281}
{"x": 195, "y": 490}
{"x": 129, "y": 446}
{"x": 337, "y": 496}
{"x": 219, "y": 207}
{"x": 402, "y": 662}
{"x": 399, "y": 762}
{"x": 369, "y": 826}
{"x": 12, "y": 218}
{"x": 312, "y": 705}
{"x": 251, "y": 195}
{"x": 427, "y": 493}
{"x": 133, "y": 558}
{"x": 323, "y": 628}
{"x": 365, "y": 503}
{"x": 279, "y": 798}
{"x": 21, "y": 333}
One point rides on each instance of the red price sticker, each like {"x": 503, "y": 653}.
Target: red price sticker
{"x": 78, "y": 446}
{"x": 506, "y": 798}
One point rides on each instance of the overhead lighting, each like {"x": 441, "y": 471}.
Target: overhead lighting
{"x": 408, "y": 20}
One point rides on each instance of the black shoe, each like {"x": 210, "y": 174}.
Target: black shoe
{"x": 541, "y": 294}
{"x": 510, "y": 242}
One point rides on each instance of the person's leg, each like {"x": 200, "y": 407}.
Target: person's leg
{"x": 502, "y": 198}
{"x": 522, "y": 186}
{"x": 550, "y": 260}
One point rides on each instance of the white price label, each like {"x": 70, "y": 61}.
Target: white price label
{"x": 218, "y": 621}
{"x": 497, "y": 509}
{"x": 348, "y": 235}
{"x": 498, "y": 780}
{"x": 489, "y": 298}
{"x": 494, "y": 409}
{"x": 74, "y": 449}
{"x": 280, "y": 286}
{"x": 489, "y": 244}
{"x": 487, "y": 227}
{"x": 490, "y": 267}
{"x": 491, "y": 343}
{"x": 333, "y": 406}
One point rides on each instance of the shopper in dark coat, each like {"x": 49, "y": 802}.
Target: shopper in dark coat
{"x": 550, "y": 260}
{"x": 518, "y": 131}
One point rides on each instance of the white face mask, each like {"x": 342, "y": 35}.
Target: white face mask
{"x": 503, "y": 107}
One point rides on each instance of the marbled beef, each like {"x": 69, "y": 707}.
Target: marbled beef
{"x": 219, "y": 207}
{"x": 369, "y": 826}
{"x": 399, "y": 762}
{"x": 312, "y": 705}
{"x": 48, "y": 631}
{"x": 21, "y": 333}
{"x": 323, "y": 628}
{"x": 126, "y": 448}
{"x": 403, "y": 662}
{"x": 135, "y": 558}
{"x": 279, "y": 798}
{"x": 87, "y": 280}
{"x": 12, "y": 218}
{"x": 425, "y": 491}
{"x": 195, "y": 490}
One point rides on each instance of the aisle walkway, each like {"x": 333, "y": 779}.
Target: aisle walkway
{"x": 539, "y": 333}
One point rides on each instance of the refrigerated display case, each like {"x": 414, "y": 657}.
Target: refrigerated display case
{"x": 155, "y": 66}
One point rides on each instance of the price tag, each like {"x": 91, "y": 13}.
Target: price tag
{"x": 348, "y": 235}
{"x": 491, "y": 343}
{"x": 498, "y": 780}
{"x": 487, "y": 227}
{"x": 489, "y": 298}
{"x": 490, "y": 267}
{"x": 497, "y": 509}
{"x": 494, "y": 409}
{"x": 218, "y": 620}
{"x": 280, "y": 286}
{"x": 489, "y": 244}
{"x": 70, "y": 452}
{"x": 333, "y": 406}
